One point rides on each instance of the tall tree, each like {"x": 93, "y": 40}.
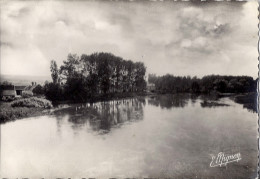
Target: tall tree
{"x": 70, "y": 66}
{"x": 54, "y": 72}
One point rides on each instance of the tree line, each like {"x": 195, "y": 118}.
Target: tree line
{"x": 223, "y": 84}
{"x": 91, "y": 76}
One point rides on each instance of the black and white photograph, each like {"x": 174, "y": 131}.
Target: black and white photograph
{"x": 128, "y": 89}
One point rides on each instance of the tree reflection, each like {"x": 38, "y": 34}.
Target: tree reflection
{"x": 169, "y": 101}
{"x": 212, "y": 104}
{"x": 102, "y": 116}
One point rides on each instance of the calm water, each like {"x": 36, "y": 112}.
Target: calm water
{"x": 160, "y": 136}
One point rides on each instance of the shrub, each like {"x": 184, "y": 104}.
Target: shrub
{"x": 8, "y": 98}
{"x": 38, "y": 90}
{"x": 53, "y": 91}
{"x": 27, "y": 94}
{"x": 8, "y": 113}
{"x": 32, "y": 102}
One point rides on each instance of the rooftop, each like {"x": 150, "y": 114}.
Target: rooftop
{"x": 20, "y": 87}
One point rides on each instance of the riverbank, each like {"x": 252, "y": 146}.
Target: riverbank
{"x": 22, "y": 108}
{"x": 9, "y": 113}
{"x": 18, "y": 109}
{"x": 35, "y": 106}
{"x": 248, "y": 101}
{"x": 108, "y": 97}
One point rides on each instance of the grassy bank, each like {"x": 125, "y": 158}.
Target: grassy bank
{"x": 35, "y": 106}
{"x": 32, "y": 102}
{"x": 21, "y": 108}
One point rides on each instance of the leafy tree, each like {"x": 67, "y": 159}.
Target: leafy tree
{"x": 54, "y": 71}
{"x": 6, "y": 83}
{"x": 98, "y": 74}
{"x": 152, "y": 78}
{"x": 53, "y": 91}
{"x": 195, "y": 87}
{"x": 38, "y": 90}
{"x": 231, "y": 84}
{"x": 69, "y": 67}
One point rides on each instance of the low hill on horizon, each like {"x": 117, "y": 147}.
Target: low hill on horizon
{"x": 24, "y": 79}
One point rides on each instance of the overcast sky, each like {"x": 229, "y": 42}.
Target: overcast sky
{"x": 179, "y": 38}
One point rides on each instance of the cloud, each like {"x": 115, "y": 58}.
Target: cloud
{"x": 17, "y": 58}
{"x": 182, "y": 38}
{"x": 201, "y": 31}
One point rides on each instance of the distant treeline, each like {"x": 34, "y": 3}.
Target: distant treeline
{"x": 102, "y": 76}
{"x": 224, "y": 84}
{"x": 91, "y": 76}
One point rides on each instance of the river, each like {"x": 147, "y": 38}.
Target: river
{"x": 156, "y": 136}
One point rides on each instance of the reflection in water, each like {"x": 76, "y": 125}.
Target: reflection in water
{"x": 104, "y": 115}
{"x": 249, "y": 101}
{"x": 210, "y": 104}
{"x": 170, "y": 100}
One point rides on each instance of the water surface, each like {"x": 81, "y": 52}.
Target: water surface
{"x": 160, "y": 136}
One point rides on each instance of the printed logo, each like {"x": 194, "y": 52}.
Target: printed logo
{"x": 223, "y": 159}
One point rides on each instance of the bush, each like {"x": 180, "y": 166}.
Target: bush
{"x": 32, "y": 102}
{"x": 8, "y": 98}
{"x": 8, "y": 113}
{"x": 27, "y": 94}
{"x": 38, "y": 90}
{"x": 53, "y": 91}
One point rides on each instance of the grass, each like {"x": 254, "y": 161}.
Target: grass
{"x": 21, "y": 108}
{"x": 32, "y": 102}
{"x": 9, "y": 113}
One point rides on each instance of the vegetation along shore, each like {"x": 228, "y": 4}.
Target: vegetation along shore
{"x": 104, "y": 76}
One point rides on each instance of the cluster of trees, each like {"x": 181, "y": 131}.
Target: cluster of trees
{"x": 224, "y": 84}
{"x": 90, "y": 76}
{"x": 5, "y": 84}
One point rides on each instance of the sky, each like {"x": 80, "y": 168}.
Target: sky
{"x": 179, "y": 38}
